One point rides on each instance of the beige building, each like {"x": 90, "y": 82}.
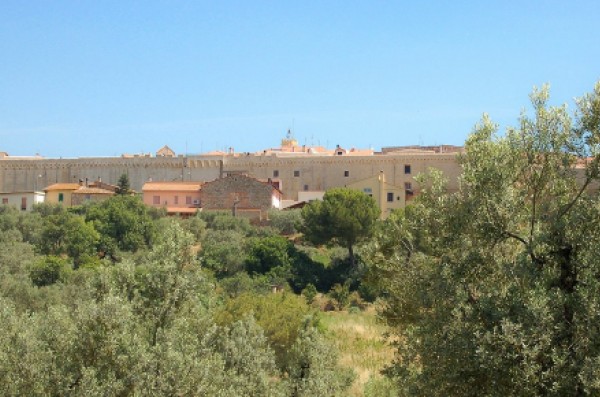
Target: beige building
{"x": 22, "y": 200}
{"x": 387, "y": 196}
{"x": 60, "y": 193}
{"x": 165, "y": 151}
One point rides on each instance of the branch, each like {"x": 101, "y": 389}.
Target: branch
{"x": 516, "y": 237}
{"x": 568, "y": 207}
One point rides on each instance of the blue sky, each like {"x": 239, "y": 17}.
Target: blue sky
{"x": 102, "y": 78}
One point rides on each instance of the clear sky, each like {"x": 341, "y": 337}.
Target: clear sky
{"x": 102, "y": 78}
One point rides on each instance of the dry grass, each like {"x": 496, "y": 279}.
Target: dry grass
{"x": 358, "y": 337}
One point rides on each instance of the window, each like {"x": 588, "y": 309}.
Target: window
{"x": 305, "y": 188}
{"x": 23, "y": 203}
{"x": 390, "y": 197}
{"x": 4, "y": 200}
{"x": 407, "y": 186}
{"x": 275, "y": 173}
{"x": 176, "y": 200}
{"x": 61, "y": 197}
{"x": 407, "y": 168}
{"x": 296, "y": 173}
{"x": 368, "y": 190}
{"x": 346, "y": 174}
{"x": 156, "y": 200}
{"x": 188, "y": 200}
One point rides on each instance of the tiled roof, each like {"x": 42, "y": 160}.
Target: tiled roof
{"x": 92, "y": 190}
{"x": 63, "y": 186}
{"x": 172, "y": 186}
{"x": 182, "y": 210}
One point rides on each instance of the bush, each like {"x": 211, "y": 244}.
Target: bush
{"x": 241, "y": 283}
{"x": 310, "y": 292}
{"x": 281, "y": 316}
{"x": 285, "y": 221}
{"x": 313, "y": 367}
{"x": 49, "y": 270}
{"x": 223, "y": 252}
{"x": 341, "y": 294}
{"x": 222, "y": 220}
{"x": 380, "y": 387}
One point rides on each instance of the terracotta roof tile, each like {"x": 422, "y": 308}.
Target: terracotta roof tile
{"x": 63, "y": 186}
{"x": 182, "y": 210}
{"x": 172, "y": 186}
{"x": 92, "y": 190}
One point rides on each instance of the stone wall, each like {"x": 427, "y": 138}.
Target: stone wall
{"x": 35, "y": 174}
{"x": 319, "y": 173}
{"x": 295, "y": 172}
{"x": 247, "y": 192}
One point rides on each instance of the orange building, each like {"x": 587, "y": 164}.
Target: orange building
{"x": 179, "y": 198}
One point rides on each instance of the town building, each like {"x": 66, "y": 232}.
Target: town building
{"x": 60, "y": 193}
{"x": 242, "y": 195}
{"x": 24, "y": 201}
{"x": 387, "y": 196}
{"x": 176, "y": 197}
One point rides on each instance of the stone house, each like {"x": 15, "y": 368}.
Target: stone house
{"x": 89, "y": 194}
{"x": 241, "y": 194}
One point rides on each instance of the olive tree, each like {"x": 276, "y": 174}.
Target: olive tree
{"x": 494, "y": 289}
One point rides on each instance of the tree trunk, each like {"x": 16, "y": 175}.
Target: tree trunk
{"x": 567, "y": 283}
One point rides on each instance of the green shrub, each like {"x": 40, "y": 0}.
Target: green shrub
{"x": 49, "y": 270}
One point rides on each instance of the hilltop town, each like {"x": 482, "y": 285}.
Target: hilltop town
{"x": 295, "y": 173}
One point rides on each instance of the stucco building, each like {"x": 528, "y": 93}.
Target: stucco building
{"x": 387, "y": 196}
{"x": 24, "y": 201}
{"x": 60, "y": 193}
{"x": 178, "y": 198}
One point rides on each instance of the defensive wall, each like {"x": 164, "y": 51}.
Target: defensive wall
{"x": 295, "y": 171}
{"x": 319, "y": 173}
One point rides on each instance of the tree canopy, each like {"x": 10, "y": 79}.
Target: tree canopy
{"x": 345, "y": 216}
{"x": 124, "y": 185}
{"x": 495, "y": 288}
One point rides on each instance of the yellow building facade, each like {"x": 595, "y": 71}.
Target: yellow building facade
{"x": 387, "y": 196}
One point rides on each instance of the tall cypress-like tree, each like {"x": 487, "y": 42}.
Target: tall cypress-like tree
{"x": 123, "y": 184}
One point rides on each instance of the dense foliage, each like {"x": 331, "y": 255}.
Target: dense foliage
{"x": 494, "y": 290}
{"x": 115, "y": 299}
